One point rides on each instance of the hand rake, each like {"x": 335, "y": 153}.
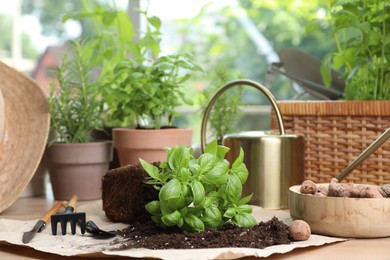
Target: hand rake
{"x": 69, "y": 216}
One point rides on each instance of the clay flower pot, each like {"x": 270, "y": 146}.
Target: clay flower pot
{"x": 132, "y": 144}
{"x": 78, "y": 169}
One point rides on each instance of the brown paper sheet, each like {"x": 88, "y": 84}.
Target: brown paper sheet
{"x": 11, "y": 231}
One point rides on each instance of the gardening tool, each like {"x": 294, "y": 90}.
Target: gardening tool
{"x": 275, "y": 161}
{"x": 369, "y": 150}
{"x": 69, "y": 216}
{"x": 94, "y": 230}
{"x": 41, "y": 224}
{"x": 91, "y": 227}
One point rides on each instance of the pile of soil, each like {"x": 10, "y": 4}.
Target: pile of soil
{"x": 148, "y": 235}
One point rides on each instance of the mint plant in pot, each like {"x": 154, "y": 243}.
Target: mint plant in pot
{"x": 336, "y": 131}
{"x": 75, "y": 162}
{"x": 143, "y": 94}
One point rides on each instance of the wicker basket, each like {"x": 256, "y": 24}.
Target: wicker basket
{"x": 335, "y": 133}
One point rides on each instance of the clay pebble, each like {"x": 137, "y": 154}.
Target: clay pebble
{"x": 299, "y": 230}
{"x": 308, "y": 187}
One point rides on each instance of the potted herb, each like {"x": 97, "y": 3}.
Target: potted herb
{"x": 337, "y": 131}
{"x": 143, "y": 94}
{"x": 76, "y": 163}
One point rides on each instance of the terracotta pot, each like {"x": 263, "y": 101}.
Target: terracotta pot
{"x": 78, "y": 169}
{"x": 132, "y": 144}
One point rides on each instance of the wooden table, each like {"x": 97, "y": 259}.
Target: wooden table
{"x": 32, "y": 208}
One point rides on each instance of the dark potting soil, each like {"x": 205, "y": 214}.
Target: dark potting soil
{"x": 148, "y": 235}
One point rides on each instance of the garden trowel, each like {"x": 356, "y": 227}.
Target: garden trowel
{"x": 41, "y": 224}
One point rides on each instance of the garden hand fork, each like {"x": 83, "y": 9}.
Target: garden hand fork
{"x": 69, "y": 216}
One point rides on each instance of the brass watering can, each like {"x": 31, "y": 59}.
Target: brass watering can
{"x": 275, "y": 161}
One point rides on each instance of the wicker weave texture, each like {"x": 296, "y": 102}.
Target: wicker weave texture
{"x": 333, "y": 141}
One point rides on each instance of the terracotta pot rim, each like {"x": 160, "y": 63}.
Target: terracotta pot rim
{"x": 94, "y": 143}
{"x": 151, "y": 130}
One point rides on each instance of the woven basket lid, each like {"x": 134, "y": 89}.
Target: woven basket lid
{"x": 24, "y": 129}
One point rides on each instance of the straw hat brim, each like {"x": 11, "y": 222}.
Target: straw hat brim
{"x": 24, "y": 129}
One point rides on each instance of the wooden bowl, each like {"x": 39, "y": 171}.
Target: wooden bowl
{"x": 341, "y": 217}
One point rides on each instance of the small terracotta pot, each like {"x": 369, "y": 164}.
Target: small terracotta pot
{"x": 132, "y": 144}
{"x": 78, "y": 169}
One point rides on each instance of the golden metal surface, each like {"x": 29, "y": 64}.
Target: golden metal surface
{"x": 274, "y": 161}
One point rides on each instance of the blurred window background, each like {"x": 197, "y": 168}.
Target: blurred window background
{"x": 233, "y": 38}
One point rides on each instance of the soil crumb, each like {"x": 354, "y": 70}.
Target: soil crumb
{"x": 148, "y": 235}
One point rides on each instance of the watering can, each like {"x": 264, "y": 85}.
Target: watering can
{"x": 275, "y": 161}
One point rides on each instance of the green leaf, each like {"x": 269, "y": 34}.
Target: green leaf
{"x": 206, "y": 162}
{"x": 241, "y": 172}
{"x": 212, "y": 217}
{"x": 233, "y": 188}
{"x": 179, "y": 157}
{"x": 229, "y": 213}
{"x": 155, "y": 22}
{"x": 244, "y": 209}
{"x": 198, "y": 192}
{"x": 171, "y": 219}
{"x": 239, "y": 160}
{"x": 244, "y": 220}
{"x": 194, "y": 223}
{"x": 218, "y": 175}
{"x": 244, "y": 200}
{"x": 326, "y": 70}
{"x": 184, "y": 174}
{"x": 171, "y": 189}
{"x": 152, "y": 170}
{"x": 221, "y": 151}
{"x": 212, "y": 148}
{"x": 169, "y": 206}
{"x": 125, "y": 27}
{"x": 153, "y": 207}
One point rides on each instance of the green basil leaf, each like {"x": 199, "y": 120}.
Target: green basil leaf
{"x": 218, "y": 175}
{"x": 171, "y": 219}
{"x": 206, "y": 162}
{"x": 239, "y": 160}
{"x": 212, "y": 148}
{"x": 179, "y": 157}
{"x": 244, "y": 200}
{"x": 184, "y": 174}
{"x": 212, "y": 217}
{"x": 198, "y": 192}
{"x": 244, "y": 220}
{"x": 229, "y": 213}
{"x": 194, "y": 223}
{"x": 244, "y": 209}
{"x": 171, "y": 189}
{"x": 153, "y": 207}
{"x": 169, "y": 206}
{"x": 241, "y": 171}
{"x": 152, "y": 170}
{"x": 221, "y": 151}
{"x": 233, "y": 188}
{"x": 210, "y": 200}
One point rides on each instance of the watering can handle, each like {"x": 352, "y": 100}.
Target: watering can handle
{"x": 229, "y": 85}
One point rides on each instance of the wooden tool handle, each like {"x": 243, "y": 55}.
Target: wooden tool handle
{"x": 73, "y": 201}
{"x": 52, "y": 211}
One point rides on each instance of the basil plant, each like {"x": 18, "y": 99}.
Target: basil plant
{"x": 198, "y": 193}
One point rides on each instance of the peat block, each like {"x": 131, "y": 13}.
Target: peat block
{"x": 125, "y": 194}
